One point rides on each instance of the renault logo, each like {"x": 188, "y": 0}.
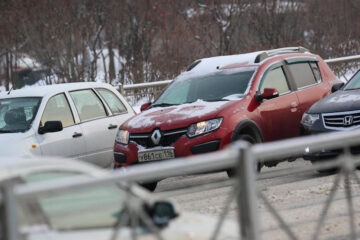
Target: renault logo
{"x": 156, "y": 137}
{"x": 348, "y": 120}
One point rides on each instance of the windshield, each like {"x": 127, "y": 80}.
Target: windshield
{"x": 17, "y": 114}
{"x": 354, "y": 82}
{"x": 86, "y": 208}
{"x": 216, "y": 87}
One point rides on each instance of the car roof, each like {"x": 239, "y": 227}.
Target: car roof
{"x": 213, "y": 64}
{"x": 14, "y": 166}
{"x": 42, "y": 91}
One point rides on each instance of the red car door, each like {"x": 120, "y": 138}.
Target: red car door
{"x": 281, "y": 115}
{"x": 310, "y": 87}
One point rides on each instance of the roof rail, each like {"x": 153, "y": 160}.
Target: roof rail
{"x": 268, "y": 53}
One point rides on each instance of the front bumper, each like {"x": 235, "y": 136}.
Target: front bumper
{"x": 324, "y": 154}
{"x": 125, "y": 155}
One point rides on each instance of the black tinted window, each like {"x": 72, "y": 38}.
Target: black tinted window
{"x": 302, "y": 74}
{"x": 275, "y": 78}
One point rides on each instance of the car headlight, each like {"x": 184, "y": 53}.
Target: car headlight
{"x": 122, "y": 137}
{"x": 199, "y": 128}
{"x": 309, "y": 119}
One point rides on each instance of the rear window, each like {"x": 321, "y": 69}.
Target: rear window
{"x": 88, "y": 105}
{"x": 302, "y": 74}
{"x": 114, "y": 103}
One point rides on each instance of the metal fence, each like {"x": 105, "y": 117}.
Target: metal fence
{"x": 153, "y": 89}
{"x": 245, "y": 193}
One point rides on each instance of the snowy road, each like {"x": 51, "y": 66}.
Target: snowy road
{"x": 299, "y": 199}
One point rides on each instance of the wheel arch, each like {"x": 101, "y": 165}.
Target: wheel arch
{"x": 248, "y": 127}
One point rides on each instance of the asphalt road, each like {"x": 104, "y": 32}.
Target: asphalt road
{"x": 299, "y": 200}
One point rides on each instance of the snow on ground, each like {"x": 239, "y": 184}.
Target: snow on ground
{"x": 137, "y": 104}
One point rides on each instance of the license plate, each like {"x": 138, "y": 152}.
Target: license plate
{"x": 154, "y": 155}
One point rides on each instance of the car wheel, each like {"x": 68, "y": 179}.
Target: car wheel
{"x": 149, "y": 186}
{"x": 325, "y": 171}
{"x": 248, "y": 138}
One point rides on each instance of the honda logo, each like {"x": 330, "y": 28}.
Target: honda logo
{"x": 156, "y": 137}
{"x": 348, "y": 120}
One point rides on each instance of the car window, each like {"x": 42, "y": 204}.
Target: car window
{"x": 302, "y": 74}
{"x": 85, "y": 208}
{"x": 17, "y": 114}
{"x": 354, "y": 82}
{"x": 210, "y": 87}
{"x": 114, "y": 103}
{"x": 88, "y": 105}
{"x": 275, "y": 78}
{"x": 58, "y": 109}
{"x": 314, "y": 66}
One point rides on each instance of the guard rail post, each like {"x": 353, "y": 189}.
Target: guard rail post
{"x": 9, "y": 203}
{"x": 247, "y": 193}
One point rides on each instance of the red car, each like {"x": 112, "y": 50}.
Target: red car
{"x": 258, "y": 97}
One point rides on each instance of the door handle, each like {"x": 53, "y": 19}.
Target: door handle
{"x": 111, "y": 126}
{"x": 75, "y": 135}
{"x": 294, "y": 105}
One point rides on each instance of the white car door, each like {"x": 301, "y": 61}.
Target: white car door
{"x": 119, "y": 113}
{"x": 95, "y": 126}
{"x": 66, "y": 143}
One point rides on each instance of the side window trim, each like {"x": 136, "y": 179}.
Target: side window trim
{"x": 107, "y": 106}
{"x": 69, "y": 105}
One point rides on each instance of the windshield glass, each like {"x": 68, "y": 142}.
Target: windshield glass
{"x": 86, "y": 208}
{"x": 215, "y": 87}
{"x": 17, "y": 114}
{"x": 354, "y": 82}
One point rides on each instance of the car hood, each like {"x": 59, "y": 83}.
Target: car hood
{"x": 179, "y": 116}
{"x": 189, "y": 226}
{"x": 339, "y": 101}
{"x": 16, "y": 144}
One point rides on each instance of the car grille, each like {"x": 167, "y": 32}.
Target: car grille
{"x": 168, "y": 138}
{"x": 342, "y": 121}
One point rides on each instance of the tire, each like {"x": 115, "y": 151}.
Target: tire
{"x": 248, "y": 138}
{"x": 151, "y": 186}
{"x": 325, "y": 171}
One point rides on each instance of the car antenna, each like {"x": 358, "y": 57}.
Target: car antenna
{"x": 10, "y": 90}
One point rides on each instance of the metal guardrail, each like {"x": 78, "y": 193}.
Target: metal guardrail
{"x": 124, "y": 88}
{"x": 245, "y": 190}
{"x": 343, "y": 59}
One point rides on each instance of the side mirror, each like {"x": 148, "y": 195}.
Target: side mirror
{"x": 162, "y": 212}
{"x": 145, "y": 106}
{"x": 268, "y": 93}
{"x": 337, "y": 86}
{"x": 51, "y": 126}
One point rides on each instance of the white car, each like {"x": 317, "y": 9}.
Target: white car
{"x": 76, "y": 120}
{"x": 93, "y": 212}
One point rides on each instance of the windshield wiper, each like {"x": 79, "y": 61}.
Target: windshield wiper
{"x": 6, "y": 131}
{"x": 164, "y": 104}
{"x": 216, "y": 100}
